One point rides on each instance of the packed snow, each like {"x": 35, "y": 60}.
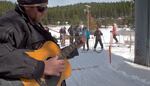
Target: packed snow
{"x": 95, "y": 69}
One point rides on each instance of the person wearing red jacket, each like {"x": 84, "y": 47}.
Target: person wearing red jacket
{"x": 114, "y": 32}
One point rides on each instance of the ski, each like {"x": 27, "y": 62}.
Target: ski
{"x": 98, "y": 51}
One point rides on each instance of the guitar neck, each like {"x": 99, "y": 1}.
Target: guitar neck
{"x": 67, "y": 50}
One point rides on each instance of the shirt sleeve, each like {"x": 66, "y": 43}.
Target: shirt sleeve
{"x": 14, "y": 63}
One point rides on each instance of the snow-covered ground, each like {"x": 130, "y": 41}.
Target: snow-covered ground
{"x": 94, "y": 69}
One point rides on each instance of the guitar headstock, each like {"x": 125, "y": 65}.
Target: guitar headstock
{"x": 67, "y": 50}
{"x": 81, "y": 40}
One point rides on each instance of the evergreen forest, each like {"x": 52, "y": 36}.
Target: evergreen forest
{"x": 105, "y": 14}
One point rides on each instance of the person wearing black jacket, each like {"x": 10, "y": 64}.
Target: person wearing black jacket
{"x": 98, "y": 38}
{"x": 21, "y": 31}
{"x": 71, "y": 33}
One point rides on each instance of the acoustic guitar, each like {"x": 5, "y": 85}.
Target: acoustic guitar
{"x": 50, "y": 49}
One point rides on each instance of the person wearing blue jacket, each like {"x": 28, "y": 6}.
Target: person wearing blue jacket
{"x": 86, "y": 33}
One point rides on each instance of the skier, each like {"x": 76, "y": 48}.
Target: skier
{"x": 98, "y": 38}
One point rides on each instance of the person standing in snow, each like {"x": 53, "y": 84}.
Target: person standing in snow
{"x": 71, "y": 33}
{"x": 114, "y": 32}
{"x": 86, "y": 34}
{"x": 62, "y": 32}
{"x": 98, "y": 38}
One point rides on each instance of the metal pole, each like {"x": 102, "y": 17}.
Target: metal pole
{"x": 88, "y": 16}
{"x": 142, "y": 33}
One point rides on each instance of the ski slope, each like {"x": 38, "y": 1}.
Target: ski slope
{"x": 94, "y": 69}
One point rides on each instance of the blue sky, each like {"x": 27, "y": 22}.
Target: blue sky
{"x": 67, "y": 2}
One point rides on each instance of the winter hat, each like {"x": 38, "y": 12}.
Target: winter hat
{"x": 32, "y": 2}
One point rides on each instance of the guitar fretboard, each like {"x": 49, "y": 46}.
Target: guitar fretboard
{"x": 67, "y": 50}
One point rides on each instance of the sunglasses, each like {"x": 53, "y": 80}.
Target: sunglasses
{"x": 41, "y": 8}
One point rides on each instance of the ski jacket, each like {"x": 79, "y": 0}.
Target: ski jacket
{"x": 114, "y": 32}
{"x": 71, "y": 30}
{"x": 86, "y": 32}
{"x": 98, "y": 34}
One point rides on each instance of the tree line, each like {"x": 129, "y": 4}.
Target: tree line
{"x": 5, "y": 6}
{"x": 101, "y": 13}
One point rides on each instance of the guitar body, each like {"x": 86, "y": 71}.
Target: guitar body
{"x": 49, "y": 49}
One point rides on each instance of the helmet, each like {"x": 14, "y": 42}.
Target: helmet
{"x": 32, "y": 2}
